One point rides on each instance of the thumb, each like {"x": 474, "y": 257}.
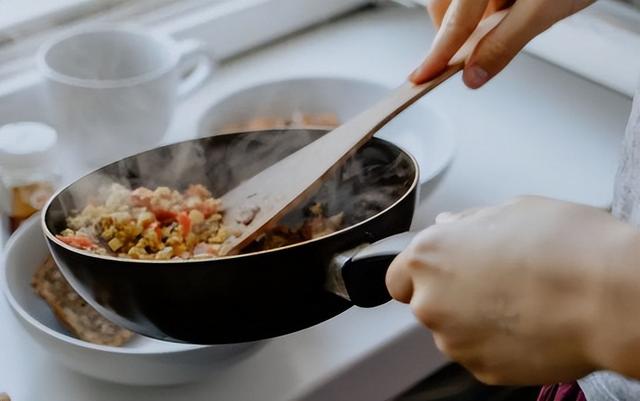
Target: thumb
{"x": 525, "y": 20}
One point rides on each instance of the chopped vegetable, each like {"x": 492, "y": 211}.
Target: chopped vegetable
{"x": 115, "y": 244}
{"x": 165, "y": 224}
{"x": 196, "y": 216}
{"x": 77, "y": 241}
{"x": 163, "y": 215}
{"x": 158, "y": 224}
{"x": 185, "y": 223}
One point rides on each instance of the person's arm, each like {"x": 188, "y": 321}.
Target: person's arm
{"x": 534, "y": 291}
{"x": 456, "y": 19}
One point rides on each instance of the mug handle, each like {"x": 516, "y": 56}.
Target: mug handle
{"x": 194, "y": 57}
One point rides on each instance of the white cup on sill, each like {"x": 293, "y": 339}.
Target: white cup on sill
{"x": 111, "y": 90}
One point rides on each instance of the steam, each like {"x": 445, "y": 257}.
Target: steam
{"x": 365, "y": 185}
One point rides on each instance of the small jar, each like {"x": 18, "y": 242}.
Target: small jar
{"x": 28, "y": 174}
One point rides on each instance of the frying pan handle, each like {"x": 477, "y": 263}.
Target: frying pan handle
{"x": 364, "y": 273}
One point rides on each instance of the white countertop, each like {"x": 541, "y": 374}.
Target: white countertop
{"x": 536, "y": 129}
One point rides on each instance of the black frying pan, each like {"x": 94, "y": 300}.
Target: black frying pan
{"x": 260, "y": 294}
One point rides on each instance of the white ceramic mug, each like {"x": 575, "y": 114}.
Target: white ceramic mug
{"x": 111, "y": 90}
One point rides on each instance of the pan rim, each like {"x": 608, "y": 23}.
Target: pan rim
{"x": 52, "y": 238}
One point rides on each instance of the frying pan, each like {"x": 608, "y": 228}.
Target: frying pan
{"x": 262, "y": 293}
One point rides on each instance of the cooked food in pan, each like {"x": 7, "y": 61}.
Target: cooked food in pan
{"x": 142, "y": 223}
{"x": 163, "y": 223}
{"x": 316, "y": 224}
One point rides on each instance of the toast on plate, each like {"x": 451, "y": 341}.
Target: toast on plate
{"x": 72, "y": 311}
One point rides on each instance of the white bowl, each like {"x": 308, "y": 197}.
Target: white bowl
{"x": 421, "y": 130}
{"x": 142, "y": 361}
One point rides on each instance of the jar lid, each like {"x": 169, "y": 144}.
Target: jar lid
{"x": 26, "y": 144}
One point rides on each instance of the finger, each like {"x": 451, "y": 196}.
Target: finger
{"x": 497, "y": 5}
{"x": 441, "y": 344}
{"x": 436, "y": 10}
{"x": 525, "y": 20}
{"x": 427, "y": 307}
{"x": 518, "y": 200}
{"x": 449, "y": 217}
{"x": 399, "y": 281}
{"x": 459, "y": 22}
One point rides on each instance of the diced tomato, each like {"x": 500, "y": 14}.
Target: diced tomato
{"x": 77, "y": 241}
{"x": 163, "y": 215}
{"x": 185, "y": 223}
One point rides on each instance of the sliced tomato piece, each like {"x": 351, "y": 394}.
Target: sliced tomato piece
{"x": 185, "y": 223}
{"x": 164, "y": 215}
{"x": 77, "y": 241}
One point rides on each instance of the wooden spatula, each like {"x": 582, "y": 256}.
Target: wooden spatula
{"x": 262, "y": 200}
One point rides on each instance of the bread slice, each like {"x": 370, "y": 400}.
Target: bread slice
{"x": 72, "y": 311}
{"x": 4, "y": 397}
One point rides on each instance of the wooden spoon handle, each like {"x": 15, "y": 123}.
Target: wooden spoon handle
{"x": 360, "y": 129}
{"x": 280, "y": 187}
{"x": 371, "y": 120}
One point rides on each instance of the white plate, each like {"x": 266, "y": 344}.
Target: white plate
{"x": 142, "y": 361}
{"x": 420, "y": 130}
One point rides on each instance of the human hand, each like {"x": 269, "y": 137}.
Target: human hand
{"x": 533, "y": 291}
{"x": 457, "y": 19}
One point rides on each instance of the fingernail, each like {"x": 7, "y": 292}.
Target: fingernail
{"x": 412, "y": 76}
{"x": 476, "y": 76}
